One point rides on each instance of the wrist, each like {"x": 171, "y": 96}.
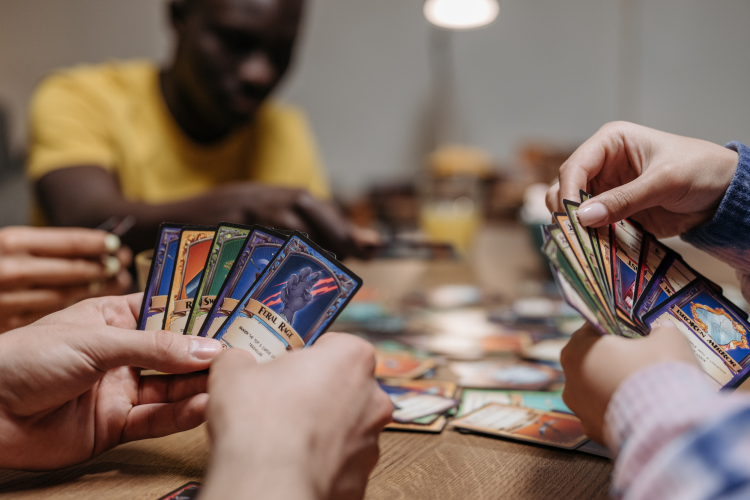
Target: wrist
{"x": 272, "y": 465}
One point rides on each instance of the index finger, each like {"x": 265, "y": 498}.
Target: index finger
{"x": 583, "y": 165}
{"x": 57, "y": 242}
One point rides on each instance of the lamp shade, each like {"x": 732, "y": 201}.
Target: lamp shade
{"x": 461, "y": 14}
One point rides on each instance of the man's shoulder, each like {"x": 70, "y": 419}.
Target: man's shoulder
{"x": 115, "y": 78}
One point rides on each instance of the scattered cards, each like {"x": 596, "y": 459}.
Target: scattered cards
{"x": 250, "y": 287}
{"x": 625, "y": 282}
{"x": 505, "y": 375}
{"x": 525, "y": 424}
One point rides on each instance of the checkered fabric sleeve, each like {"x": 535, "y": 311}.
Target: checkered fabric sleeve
{"x": 676, "y": 437}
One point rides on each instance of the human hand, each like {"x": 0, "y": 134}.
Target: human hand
{"x": 596, "y": 365}
{"x": 43, "y": 270}
{"x": 68, "y": 391}
{"x": 303, "y": 426}
{"x": 666, "y": 182}
{"x": 287, "y": 208}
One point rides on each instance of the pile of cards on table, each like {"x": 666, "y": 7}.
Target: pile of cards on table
{"x": 625, "y": 282}
{"x": 251, "y": 287}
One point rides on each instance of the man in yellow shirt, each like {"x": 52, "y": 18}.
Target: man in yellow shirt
{"x": 197, "y": 142}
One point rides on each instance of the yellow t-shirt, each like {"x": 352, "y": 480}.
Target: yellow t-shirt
{"x": 114, "y": 116}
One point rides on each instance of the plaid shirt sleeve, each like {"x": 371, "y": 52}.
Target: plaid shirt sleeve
{"x": 676, "y": 437}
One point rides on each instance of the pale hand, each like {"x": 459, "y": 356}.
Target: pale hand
{"x": 68, "y": 391}
{"x": 666, "y": 182}
{"x": 304, "y": 426}
{"x": 596, "y": 365}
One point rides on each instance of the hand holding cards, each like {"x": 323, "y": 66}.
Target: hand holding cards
{"x": 625, "y": 282}
{"x": 250, "y": 287}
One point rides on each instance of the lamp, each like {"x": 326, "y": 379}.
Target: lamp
{"x": 461, "y": 14}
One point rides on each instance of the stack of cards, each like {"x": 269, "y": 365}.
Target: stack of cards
{"x": 251, "y": 287}
{"x": 625, "y": 282}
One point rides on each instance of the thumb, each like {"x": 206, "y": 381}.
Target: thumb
{"x": 163, "y": 351}
{"x": 619, "y": 203}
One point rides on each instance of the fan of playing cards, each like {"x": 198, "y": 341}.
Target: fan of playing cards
{"x": 251, "y": 287}
{"x": 625, "y": 282}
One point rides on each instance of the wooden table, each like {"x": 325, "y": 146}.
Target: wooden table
{"x": 412, "y": 466}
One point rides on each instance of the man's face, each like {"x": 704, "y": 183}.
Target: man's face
{"x": 232, "y": 53}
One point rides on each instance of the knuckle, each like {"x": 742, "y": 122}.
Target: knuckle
{"x": 164, "y": 344}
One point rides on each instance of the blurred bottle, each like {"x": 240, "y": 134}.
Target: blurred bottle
{"x": 452, "y": 204}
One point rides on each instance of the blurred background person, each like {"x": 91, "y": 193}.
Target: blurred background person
{"x": 198, "y": 141}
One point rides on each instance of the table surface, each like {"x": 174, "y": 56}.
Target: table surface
{"x": 412, "y": 465}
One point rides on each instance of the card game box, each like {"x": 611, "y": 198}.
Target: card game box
{"x": 253, "y": 288}
{"x": 625, "y": 282}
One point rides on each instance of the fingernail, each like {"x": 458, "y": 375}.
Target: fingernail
{"x": 204, "y": 349}
{"x": 112, "y": 265}
{"x": 592, "y": 214}
{"x": 112, "y": 243}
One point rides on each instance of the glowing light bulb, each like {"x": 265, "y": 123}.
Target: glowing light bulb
{"x": 461, "y": 14}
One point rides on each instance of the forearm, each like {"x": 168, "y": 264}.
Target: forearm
{"x": 727, "y": 234}
{"x": 672, "y": 430}
{"x": 240, "y": 468}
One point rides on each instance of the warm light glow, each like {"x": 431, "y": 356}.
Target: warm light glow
{"x": 461, "y": 14}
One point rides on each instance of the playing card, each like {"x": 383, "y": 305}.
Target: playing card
{"x": 504, "y": 374}
{"x": 576, "y": 253}
{"x": 626, "y": 239}
{"x": 187, "y": 491}
{"x": 587, "y": 246}
{"x": 473, "y": 399}
{"x": 525, "y": 424}
{"x": 401, "y": 364}
{"x": 225, "y": 247}
{"x": 258, "y": 250}
{"x": 716, "y": 333}
{"x": 653, "y": 254}
{"x": 192, "y": 253}
{"x": 573, "y": 290}
{"x": 159, "y": 278}
{"x": 670, "y": 277}
{"x": 292, "y": 302}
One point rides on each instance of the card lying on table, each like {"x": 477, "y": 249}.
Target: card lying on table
{"x": 625, "y": 282}
{"x": 294, "y": 300}
{"x": 525, "y": 424}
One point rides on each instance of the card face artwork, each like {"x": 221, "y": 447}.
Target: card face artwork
{"x": 258, "y": 250}
{"x": 653, "y": 254}
{"x": 226, "y": 245}
{"x": 504, "y": 374}
{"x": 716, "y": 332}
{"x": 525, "y": 424}
{"x": 411, "y": 405}
{"x": 625, "y": 248}
{"x": 192, "y": 253}
{"x": 401, "y": 365}
{"x": 671, "y": 277}
{"x": 159, "y": 278}
{"x": 292, "y": 303}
